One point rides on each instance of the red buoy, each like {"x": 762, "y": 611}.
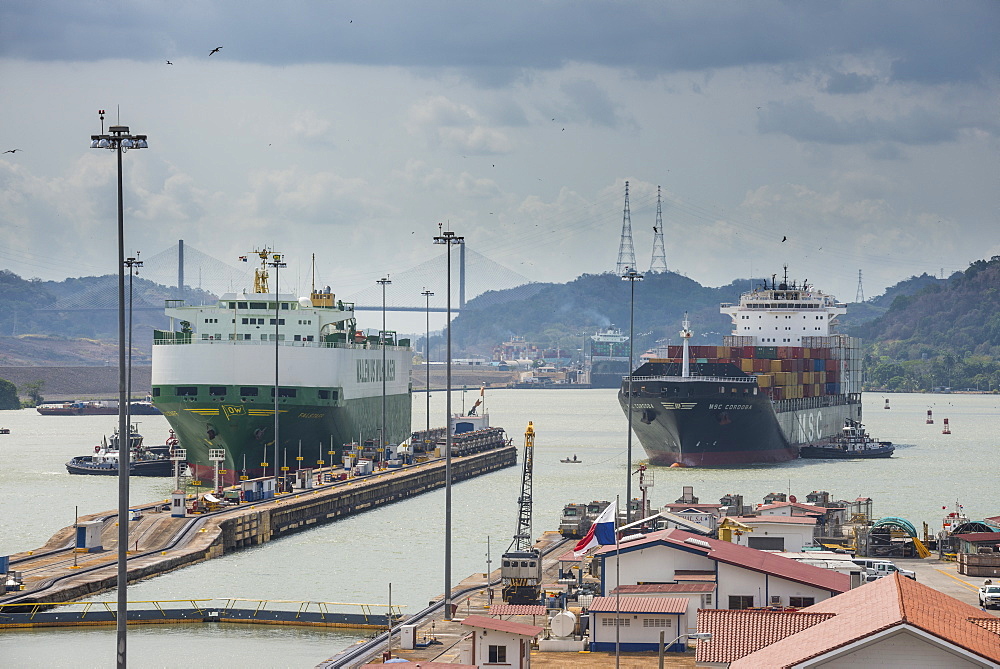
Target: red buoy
{"x": 930, "y": 418}
{"x": 947, "y": 428}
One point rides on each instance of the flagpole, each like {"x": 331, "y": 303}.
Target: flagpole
{"x": 618, "y": 589}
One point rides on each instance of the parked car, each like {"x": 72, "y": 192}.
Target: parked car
{"x": 989, "y": 595}
{"x": 876, "y": 569}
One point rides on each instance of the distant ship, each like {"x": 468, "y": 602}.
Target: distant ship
{"x": 608, "y": 362}
{"x": 214, "y": 379}
{"x": 781, "y": 381}
{"x": 96, "y": 408}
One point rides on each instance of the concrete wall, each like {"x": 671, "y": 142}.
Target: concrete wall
{"x": 795, "y": 535}
{"x": 639, "y": 631}
{"x": 655, "y": 564}
{"x": 735, "y": 580}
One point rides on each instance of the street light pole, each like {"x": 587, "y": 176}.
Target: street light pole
{"x": 133, "y": 264}
{"x": 427, "y": 360}
{"x": 119, "y": 140}
{"x": 631, "y": 276}
{"x": 382, "y": 438}
{"x": 277, "y": 264}
{"x": 449, "y": 239}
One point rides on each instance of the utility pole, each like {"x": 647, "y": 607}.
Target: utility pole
{"x": 626, "y": 252}
{"x": 659, "y": 260}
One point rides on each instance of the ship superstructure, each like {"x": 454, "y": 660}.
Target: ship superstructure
{"x": 783, "y": 379}
{"x": 608, "y": 362}
{"x": 213, "y": 378}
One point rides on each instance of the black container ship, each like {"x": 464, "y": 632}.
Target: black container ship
{"x": 782, "y": 381}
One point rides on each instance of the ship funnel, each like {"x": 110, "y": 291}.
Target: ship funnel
{"x": 686, "y": 338}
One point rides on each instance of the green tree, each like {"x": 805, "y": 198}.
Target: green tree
{"x": 33, "y": 390}
{"x": 8, "y": 395}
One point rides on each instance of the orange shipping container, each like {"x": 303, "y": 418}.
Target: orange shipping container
{"x": 746, "y": 364}
{"x": 764, "y": 381}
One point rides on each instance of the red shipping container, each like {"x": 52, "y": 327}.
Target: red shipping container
{"x": 748, "y": 351}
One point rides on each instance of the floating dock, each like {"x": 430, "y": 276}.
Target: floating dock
{"x": 160, "y": 542}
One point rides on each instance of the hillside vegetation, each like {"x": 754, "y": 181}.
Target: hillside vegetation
{"x": 946, "y": 334}
{"x": 922, "y": 333}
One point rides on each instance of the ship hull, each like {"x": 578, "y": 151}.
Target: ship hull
{"x": 707, "y": 428}
{"x": 221, "y": 397}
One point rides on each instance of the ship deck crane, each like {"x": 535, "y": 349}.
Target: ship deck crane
{"x": 521, "y": 566}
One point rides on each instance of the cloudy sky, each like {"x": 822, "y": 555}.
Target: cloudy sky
{"x": 866, "y": 133}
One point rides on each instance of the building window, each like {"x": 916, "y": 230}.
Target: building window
{"x": 738, "y": 602}
{"x": 610, "y": 622}
{"x": 707, "y": 599}
{"x": 156, "y": 392}
{"x": 656, "y": 622}
{"x": 801, "y": 602}
{"x": 498, "y": 653}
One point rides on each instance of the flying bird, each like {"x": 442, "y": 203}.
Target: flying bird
{"x": 784, "y": 238}
{"x": 12, "y": 150}
{"x": 169, "y": 63}
{"x": 215, "y": 50}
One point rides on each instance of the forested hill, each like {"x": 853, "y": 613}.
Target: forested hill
{"x": 560, "y": 314}
{"x": 946, "y": 334}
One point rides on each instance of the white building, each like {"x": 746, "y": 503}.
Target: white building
{"x": 744, "y": 577}
{"x": 699, "y": 596}
{"x": 777, "y": 532}
{"x": 633, "y": 624}
{"x": 500, "y": 643}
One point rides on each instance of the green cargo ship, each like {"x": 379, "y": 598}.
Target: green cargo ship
{"x": 213, "y": 378}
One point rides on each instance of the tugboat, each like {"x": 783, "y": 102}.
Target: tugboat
{"x": 104, "y": 462}
{"x": 852, "y": 442}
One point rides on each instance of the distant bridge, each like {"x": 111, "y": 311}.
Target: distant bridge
{"x": 178, "y": 265}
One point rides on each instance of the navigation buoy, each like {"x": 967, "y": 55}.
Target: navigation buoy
{"x": 947, "y": 428}
{"x": 930, "y": 418}
{"x": 886, "y": 403}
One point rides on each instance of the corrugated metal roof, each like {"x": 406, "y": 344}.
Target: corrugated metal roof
{"x": 665, "y": 605}
{"x": 517, "y": 610}
{"x": 482, "y": 622}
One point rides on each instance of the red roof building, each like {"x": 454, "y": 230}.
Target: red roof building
{"x": 893, "y": 622}
{"x": 501, "y": 642}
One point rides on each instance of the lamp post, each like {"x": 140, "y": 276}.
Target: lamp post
{"x": 383, "y": 282}
{"x": 133, "y": 264}
{"x": 449, "y": 239}
{"x": 703, "y": 636}
{"x": 631, "y": 276}
{"x": 277, "y": 264}
{"x": 119, "y": 140}
{"x": 427, "y": 361}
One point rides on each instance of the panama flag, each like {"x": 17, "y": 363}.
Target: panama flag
{"x": 601, "y": 533}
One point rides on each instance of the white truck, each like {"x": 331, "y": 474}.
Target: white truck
{"x": 989, "y": 595}
{"x": 876, "y": 569}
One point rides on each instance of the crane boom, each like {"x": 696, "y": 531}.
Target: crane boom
{"x": 522, "y": 537}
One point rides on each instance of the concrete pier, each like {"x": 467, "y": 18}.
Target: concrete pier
{"x": 159, "y": 542}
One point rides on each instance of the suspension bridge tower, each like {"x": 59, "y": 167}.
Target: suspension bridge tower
{"x": 626, "y": 252}
{"x": 659, "y": 260}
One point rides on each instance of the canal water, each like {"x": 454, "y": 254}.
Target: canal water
{"x": 355, "y": 559}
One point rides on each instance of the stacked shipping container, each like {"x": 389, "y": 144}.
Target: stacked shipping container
{"x": 827, "y": 366}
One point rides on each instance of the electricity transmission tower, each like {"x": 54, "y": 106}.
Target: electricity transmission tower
{"x": 626, "y": 252}
{"x": 860, "y": 297}
{"x": 659, "y": 260}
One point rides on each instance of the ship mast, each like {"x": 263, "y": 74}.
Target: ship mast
{"x": 686, "y": 338}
